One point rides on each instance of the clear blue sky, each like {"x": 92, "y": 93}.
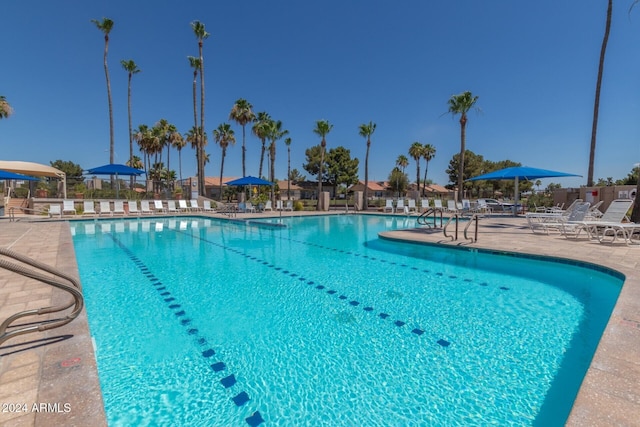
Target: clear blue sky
{"x": 532, "y": 64}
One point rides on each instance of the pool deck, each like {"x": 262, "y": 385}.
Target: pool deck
{"x": 50, "y": 378}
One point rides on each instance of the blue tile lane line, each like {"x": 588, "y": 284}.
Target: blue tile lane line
{"x": 418, "y": 331}
{"x": 217, "y": 366}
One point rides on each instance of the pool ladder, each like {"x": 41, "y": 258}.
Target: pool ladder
{"x": 36, "y": 270}
{"x": 455, "y": 218}
{"x": 423, "y": 219}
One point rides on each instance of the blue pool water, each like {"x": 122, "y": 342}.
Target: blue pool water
{"x": 316, "y": 321}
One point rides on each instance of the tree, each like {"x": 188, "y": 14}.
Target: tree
{"x": 131, "y": 68}
{"x": 428, "y": 153}
{"x": 287, "y": 142}
{"x": 596, "y": 104}
{"x": 323, "y": 127}
{"x": 195, "y": 143}
{"x": 295, "y": 176}
{"x": 402, "y": 162}
{"x": 201, "y": 34}
{"x": 473, "y": 166}
{"x": 135, "y": 162}
{"x": 398, "y": 181}
{"x": 5, "y": 108}
{"x": 365, "y": 131}
{"x": 223, "y": 136}
{"x": 275, "y": 132}
{"x": 180, "y": 143}
{"x": 72, "y": 171}
{"x": 194, "y": 136}
{"x": 261, "y": 130}
{"x": 312, "y": 166}
{"x": 242, "y": 113}
{"x": 461, "y": 104}
{"x": 341, "y": 168}
{"x": 106, "y": 25}
{"x": 415, "y": 151}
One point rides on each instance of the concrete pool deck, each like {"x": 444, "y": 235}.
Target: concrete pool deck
{"x": 56, "y": 370}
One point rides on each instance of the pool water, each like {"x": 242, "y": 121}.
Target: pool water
{"x": 316, "y": 321}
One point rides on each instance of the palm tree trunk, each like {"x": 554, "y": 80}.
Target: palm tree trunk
{"x": 463, "y": 138}
{"x": 244, "y": 153}
{"x": 365, "y": 203}
{"x": 132, "y": 177}
{"x": 224, "y": 154}
{"x": 424, "y": 183}
{"x": 596, "y": 104}
{"x": 288, "y": 173}
{"x": 322, "y": 147}
{"x": 202, "y": 131}
{"x": 111, "y": 137}
{"x": 195, "y": 125}
{"x": 261, "y": 158}
{"x": 272, "y": 151}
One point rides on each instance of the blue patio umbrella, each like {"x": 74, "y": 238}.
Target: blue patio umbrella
{"x": 518, "y": 173}
{"x": 249, "y": 180}
{"x": 10, "y": 175}
{"x": 115, "y": 169}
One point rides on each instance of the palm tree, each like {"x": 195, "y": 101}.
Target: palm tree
{"x": 242, "y": 113}
{"x": 223, "y": 136}
{"x": 261, "y": 129}
{"x": 365, "y": 131}
{"x": 596, "y": 104}
{"x": 201, "y": 34}
{"x": 106, "y": 25}
{"x": 428, "y": 152}
{"x": 415, "y": 151}
{"x": 131, "y": 68}
{"x": 275, "y": 133}
{"x": 5, "y": 108}
{"x": 402, "y": 162}
{"x": 287, "y": 142}
{"x": 195, "y": 64}
{"x": 323, "y": 127}
{"x": 179, "y": 143}
{"x": 135, "y": 162}
{"x": 461, "y": 104}
{"x": 142, "y": 136}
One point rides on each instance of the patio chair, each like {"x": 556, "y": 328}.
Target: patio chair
{"x": 105, "y": 209}
{"x": 389, "y": 206}
{"x": 145, "y": 209}
{"x": 248, "y": 207}
{"x": 88, "y": 208}
{"x": 194, "y": 206}
{"x": 400, "y": 205}
{"x": 207, "y": 206}
{"x": 267, "y": 206}
{"x": 55, "y": 210}
{"x": 158, "y": 206}
{"x": 424, "y": 204}
{"x": 483, "y": 207}
{"x": 610, "y": 224}
{"x": 557, "y": 222}
{"x": 133, "y": 207}
{"x": 452, "y": 207}
{"x": 279, "y": 205}
{"x": 289, "y": 206}
{"x": 171, "y": 206}
{"x": 68, "y": 207}
{"x": 412, "y": 206}
{"x": 118, "y": 207}
{"x": 182, "y": 205}
{"x": 437, "y": 203}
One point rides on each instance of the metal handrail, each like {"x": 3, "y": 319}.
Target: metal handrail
{"x": 12, "y": 214}
{"x": 451, "y": 218}
{"x": 73, "y": 287}
{"x": 474, "y": 219}
{"x": 423, "y": 219}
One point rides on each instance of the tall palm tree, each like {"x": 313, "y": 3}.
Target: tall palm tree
{"x": 596, "y": 104}
{"x": 242, "y": 113}
{"x": 415, "y": 151}
{"x": 195, "y": 64}
{"x": 402, "y": 162}
{"x": 193, "y": 137}
{"x": 131, "y": 68}
{"x": 223, "y": 136}
{"x": 261, "y": 130}
{"x": 461, "y": 104}
{"x": 106, "y": 25}
{"x": 201, "y": 34}
{"x": 323, "y": 127}
{"x": 179, "y": 142}
{"x": 142, "y": 137}
{"x": 135, "y": 162}
{"x": 365, "y": 131}
{"x": 287, "y": 142}
{"x": 428, "y": 152}
{"x": 5, "y": 108}
{"x": 275, "y": 133}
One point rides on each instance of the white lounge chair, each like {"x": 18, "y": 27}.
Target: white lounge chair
{"x": 400, "y": 206}
{"x": 55, "y": 210}
{"x": 207, "y": 206}
{"x": 171, "y": 206}
{"x": 118, "y": 207}
{"x": 248, "y": 207}
{"x": 145, "y": 209}
{"x": 267, "y": 206}
{"x": 289, "y": 206}
{"x": 279, "y": 205}
{"x": 412, "y": 206}
{"x": 389, "y": 206}
{"x": 610, "y": 224}
{"x": 424, "y": 204}
{"x": 194, "y": 206}
{"x": 68, "y": 207}
{"x": 437, "y": 203}
{"x": 452, "y": 207}
{"x": 158, "y": 206}
{"x": 182, "y": 205}
{"x": 133, "y": 207}
{"x": 557, "y": 222}
{"x": 483, "y": 207}
{"x": 105, "y": 209}
{"x": 88, "y": 208}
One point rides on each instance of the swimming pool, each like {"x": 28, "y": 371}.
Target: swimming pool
{"x": 318, "y": 322}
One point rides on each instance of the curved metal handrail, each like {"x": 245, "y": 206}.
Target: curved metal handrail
{"x": 12, "y": 214}
{"x": 74, "y": 288}
{"x": 423, "y": 219}
{"x": 474, "y": 219}
{"x": 451, "y": 218}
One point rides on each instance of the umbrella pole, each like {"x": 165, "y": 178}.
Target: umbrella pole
{"x": 515, "y": 207}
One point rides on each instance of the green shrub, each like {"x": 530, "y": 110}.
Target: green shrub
{"x": 298, "y": 206}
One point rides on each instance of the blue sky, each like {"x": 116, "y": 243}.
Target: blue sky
{"x": 532, "y": 64}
